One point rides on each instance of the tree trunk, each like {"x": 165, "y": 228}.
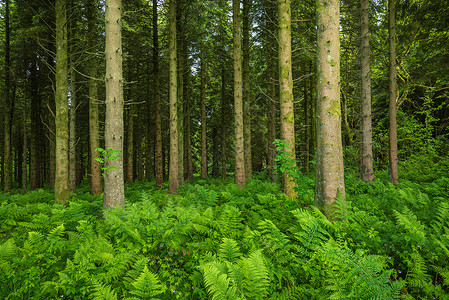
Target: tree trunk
{"x": 188, "y": 163}
{"x": 72, "y": 141}
{"x": 203, "y": 115}
{"x": 181, "y": 59}
{"x": 173, "y": 168}
{"x": 62, "y": 193}
{"x": 157, "y": 99}
{"x": 224, "y": 127}
{"x": 8, "y": 108}
{"x": 306, "y": 123}
{"x": 238, "y": 105}
{"x": 366, "y": 169}
{"x": 286, "y": 90}
{"x": 215, "y": 145}
{"x": 247, "y": 88}
{"x": 24, "y": 153}
{"x": 130, "y": 137}
{"x": 94, "y": 120}
{"x": 329, "y": 168}
{"x": 114, "y": 194}
{"x": 393, "y": 136}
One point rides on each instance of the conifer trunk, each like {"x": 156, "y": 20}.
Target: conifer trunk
{"x": 94, "y": 128}
{"x": 130, "y": 141}
{"x": 114, "y": 194}
{"x": 173, "y": 166}
{"x": 62, "y": 193}
{"x": 224, "y": 127}
{"x": 393, "y": 136}
{"x": 181, "y": 60}
{"x": 203, "y": 114}
{"x": 72, "y": 140}
{"x": 247, "y": 88}
{"x": 329, "y": 169}
{"x": 366, "y": 169}
{"x": 238, "y": 105}
{"x": 25, "y": 153}
{"x": 157, "y": 99}
{"x": 286, "y": 90}
{"x": 7, "y": 184}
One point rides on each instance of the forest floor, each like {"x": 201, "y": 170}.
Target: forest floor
{"x": 213, "y": 240}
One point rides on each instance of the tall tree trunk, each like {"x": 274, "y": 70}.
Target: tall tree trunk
{"x": 62, "y": 193}
{"x": 271, "y": 82}
{"x": 306, "y": 123}
{"x": 286, "y": 90}
{"x": 114, "y": 192}
{"x": 247, "y": 88}
{"x": 329, "y": 168}
{"x": 181, "y": 60}
{"x": 173, "y": 168}
{"x": 393, "y": 136}
{"x": 72, "y": 141}
{"x": 94, "y": 120}
{"x": 35, "y": 129}
{"x": 224, "y": 127}
{"x": 8, "y": 107}
{"x": 215, "y": 145}
{"x": 130, "y": 143}
{"x": 188, "y": 163}
{"x": 366, "y": 169}
{"x": 238, "y": 105}
{"x": 25, "y": 153}
{"x": 203, "y": 114}
{"x": 157, "y": 99}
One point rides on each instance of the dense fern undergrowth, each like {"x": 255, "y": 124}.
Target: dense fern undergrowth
{"x": 214, "y": 241}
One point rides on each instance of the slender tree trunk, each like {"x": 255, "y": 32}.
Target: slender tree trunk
{"x": 181, "y": 59}
{"x": 94, "y": 120}
{"x": 25, "y": 153}
{"x": 238, "y": 105}
{"x": 114, "y": 194}
{"x": 35, "y": 132}
{"x": 72, "y": 141}
{"x": 173, "y": 168}
{"x": 8, "y": 107}
{"x": 247, "y": 88}
{"x": 130, "y": 143}
{"x": 271, "y": 82}
{"x": 203, "y": 115}
{"x": 157, "y": 99}
{"x": 215, "y": 145}
{"x": 224, "y": 127}
{"x": 62, "y": 193}
{"x": 306, "y": 124}
{"x": 188, "y": 163}
{"x": 286, "y": 89}
{"x": 393, "y": 136}
{"x": 366, "y": 169}
{"x": 329, "y": 169}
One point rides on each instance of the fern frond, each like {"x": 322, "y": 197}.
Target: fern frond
{"x": 218, "y": 284}
{"x": 417, "y": 275}
{"x": 229, "y": 221}
{"x": 256, "y": 273}
{"x": 411, "y": 224}
{"x": 103, "y": 292}
{"x": 229, "y": 251}
{"x": 147, "y": 285}
{"x": 8, "y": 249}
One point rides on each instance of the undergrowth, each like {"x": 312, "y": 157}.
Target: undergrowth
{"x": 213, "y": 240}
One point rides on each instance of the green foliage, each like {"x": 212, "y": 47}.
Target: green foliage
{"x": 107, "y": 155}
{"x": 213, "y": 240}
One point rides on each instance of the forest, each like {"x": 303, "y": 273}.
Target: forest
{"x": 224, "y": 149}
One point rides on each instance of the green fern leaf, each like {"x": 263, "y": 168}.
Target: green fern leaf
{"x": 147, "y": 285}
{"x": 229, "y": 251}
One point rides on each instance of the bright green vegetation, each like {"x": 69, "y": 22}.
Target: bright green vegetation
{"x": 213, "y": 240}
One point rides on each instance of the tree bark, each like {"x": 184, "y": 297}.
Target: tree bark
{"x": 393, "y": 136}
{"x": 7, "y": 184}
{"x": 247, "y": 88}
{"x": 130, "y": 141}
{"x": 238, "y": 105}
{"x": 329, "y": 169}
{"x": 25, "y": 153}
{"x": 157, "y": 99}
{"x": 203, "y": 114}
{"x": 72, "y": 140}
{"x": 181, "y": 60}
{"x": 366, "y": 169}
{"x": 286, "y": 90}
{"x": 173, "y": 167}
{"x": 94, "y": 120}
{"x": 224, "y": 127}
{"x": 114, "y": 194}
{"x": 62, "y": 193}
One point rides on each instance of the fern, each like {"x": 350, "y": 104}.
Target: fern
{"x": 103, "y": 292}
{"x": 229, "y": 251}
{"x": 412, "y": 225}
{"x": 417, "y": 275}
{"x": 147, "y": 285}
